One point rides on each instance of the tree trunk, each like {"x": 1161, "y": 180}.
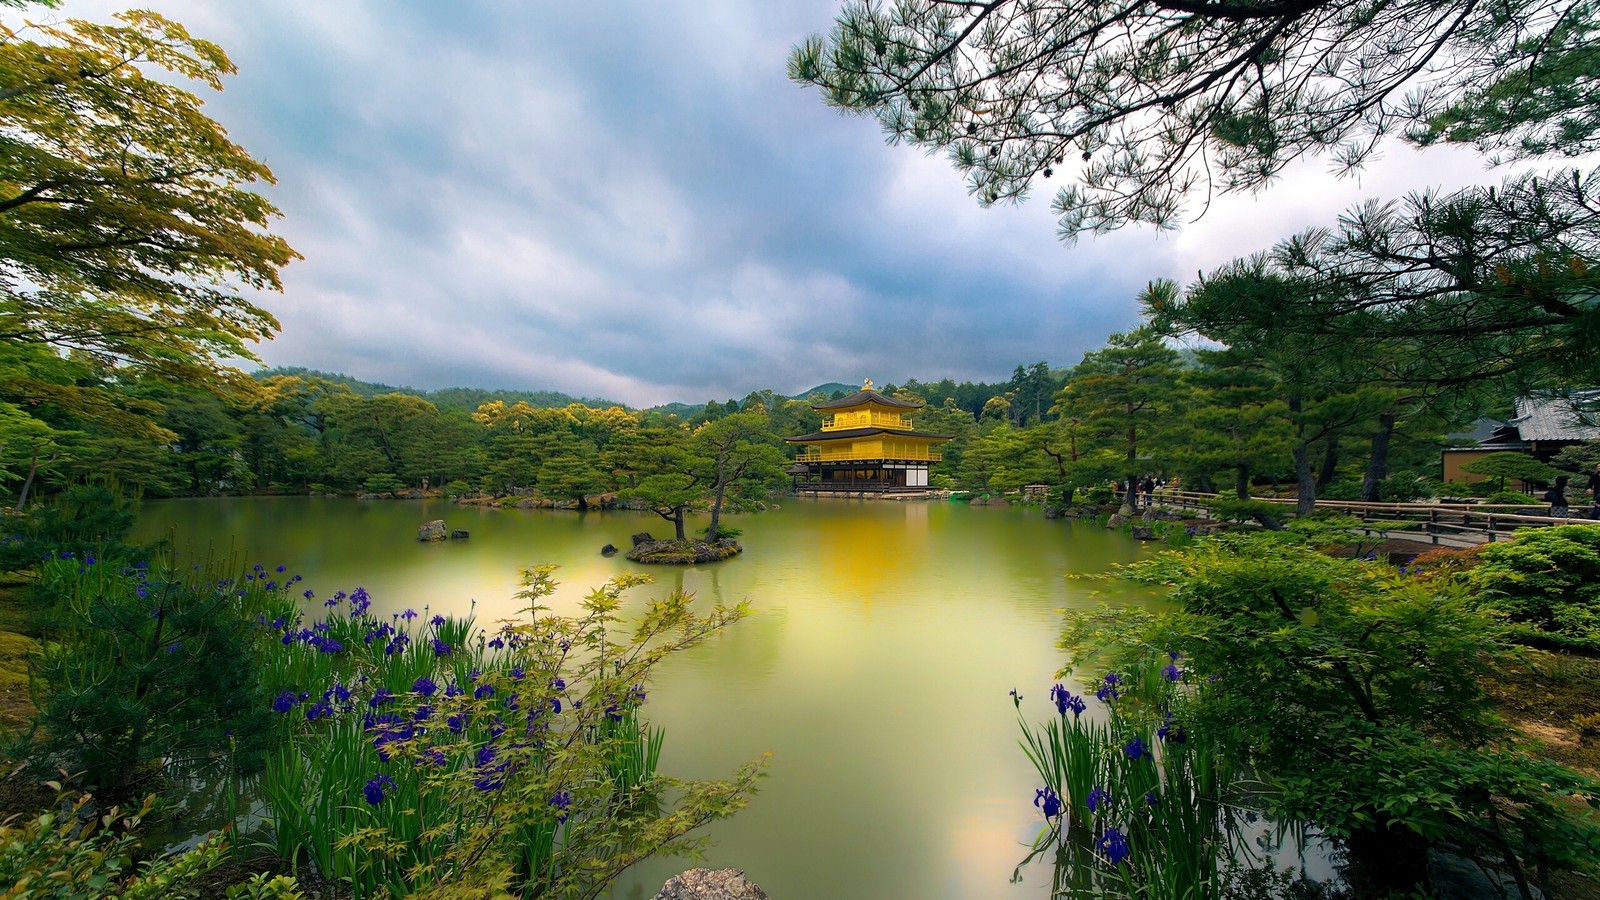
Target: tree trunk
{"x": 1330, "y": 460}
{"x": 677, "y": 523}
{"x": 27, "y": 483}
{"x": 1378, "y": 465}
{"x": 716, "y": 512}
{"x": 1305, "y": 481}
{"x": 1241, "y": 481}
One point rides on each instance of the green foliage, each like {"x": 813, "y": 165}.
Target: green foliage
{"x": 1099, "y": 495}
{"x": 1407, "y": 487}
{"x": 86, "y": 519}
{"x": 1355, "y": 693}
{"x": 1231, "y": 509}
{"x": 1519, "y": 466}
{"x": 1511, "y": 497}
{"x": 129, "y": 227}
{"x": 1581, "y": 458}
{"x": 145, "y": 669}
{"x": 1546, "y": 581}
{"x": 438, "y": 761}
{"x": 1119, "y": 397}
{"x": 79, "y": 854}
{"x": 382, "y": 483}
{"x": 1328, "y": 531}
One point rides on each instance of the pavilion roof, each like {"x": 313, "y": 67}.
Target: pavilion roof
{"x": 868, "y": 395}
{"x": 1552, "y": 417}
{"x": 818, "y": 437}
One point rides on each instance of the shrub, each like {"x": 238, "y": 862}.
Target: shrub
{"x": 1341, "y": 490}
{"x": 1407, "y": 487}
{"x": 76, "y": 855}
{"x": 1099, "y": 495}
{"x": 1546, "y": 581}
{"x": 1510, "y": 498}
{"x": 146, "y": 668}
{"x": 1355, "y": 694}
{"x": 1446, "y": 562}
{"x": 459, "y": 488}
{"x": 84, "y": 519}
{"x": 382, "y": 483}
{"x": 1232, "y": 509}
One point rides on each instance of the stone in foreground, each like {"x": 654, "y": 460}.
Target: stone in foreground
{"x": 706, "y": 884}
{"x": 433, "y": 531}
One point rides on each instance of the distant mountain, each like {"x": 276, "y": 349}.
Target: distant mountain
{"x": 445, "y": 398}
{"x": 828, "y": 389}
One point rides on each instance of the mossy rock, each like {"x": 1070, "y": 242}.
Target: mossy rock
{"x": 15, "y": 703}
{"x": 683, "y": 553}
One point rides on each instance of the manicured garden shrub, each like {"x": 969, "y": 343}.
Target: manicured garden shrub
{"x": 1546, "y": 582}
{"x": 1510, "y": 498}
{"x": 1232, "y": 509}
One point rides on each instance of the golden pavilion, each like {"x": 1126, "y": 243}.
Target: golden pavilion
{"x": 866, "y": 445}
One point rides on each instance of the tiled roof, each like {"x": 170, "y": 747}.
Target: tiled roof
{"x": 866, "y": 395}
{"x": 1482, "y": 432}
{"x": 1558, "y": 418}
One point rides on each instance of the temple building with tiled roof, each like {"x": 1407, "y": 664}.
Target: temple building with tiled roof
{"x": 1544, "y": 425}
{"x": 867, "y": 444}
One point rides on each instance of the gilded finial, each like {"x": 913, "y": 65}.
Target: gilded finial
{"x": 867, "y": 385}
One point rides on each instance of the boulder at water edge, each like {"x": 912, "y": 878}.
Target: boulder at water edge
{"x": 706, "y": 884}
{"x": 433, "y": 531}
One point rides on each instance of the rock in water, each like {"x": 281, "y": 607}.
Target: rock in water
{"x": 458, "y": 535}
{"x": 608, "y": 550}
{"x": 433, "y": 531}
{"x": 706, "y": 884}
{"x": 642, "y": 537}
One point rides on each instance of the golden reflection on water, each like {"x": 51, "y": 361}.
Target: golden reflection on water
{"x": 875, "y": 665}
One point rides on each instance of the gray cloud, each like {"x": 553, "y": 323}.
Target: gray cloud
{"x": 630, "y": 200}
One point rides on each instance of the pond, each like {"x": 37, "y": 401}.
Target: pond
{"x": 875, "y": 667}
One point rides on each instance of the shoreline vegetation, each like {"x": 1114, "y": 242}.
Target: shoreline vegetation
{"x": 1547, "y": 698}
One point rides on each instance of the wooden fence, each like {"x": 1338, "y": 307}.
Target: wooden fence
{"x": 1454, "y": 524}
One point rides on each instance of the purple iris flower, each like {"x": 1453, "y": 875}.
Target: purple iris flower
{"x": 562, "y": 801}
{"x": 1048, "y": 802}
{"x": 374, "y": 789}
{"x": 1114, "y": 844}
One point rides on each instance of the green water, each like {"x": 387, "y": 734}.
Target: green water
{"x": 875, "y": 668}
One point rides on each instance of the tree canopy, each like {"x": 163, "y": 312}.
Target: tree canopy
{"x": 1437, "y": 290}
{"x": 1150, "y": 103}
{"x": 129, "y": 227}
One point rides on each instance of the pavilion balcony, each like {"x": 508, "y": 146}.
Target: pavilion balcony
{"x": 915, "y": 455}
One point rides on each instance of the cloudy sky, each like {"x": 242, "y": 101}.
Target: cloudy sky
{"x": 630, "y": 200}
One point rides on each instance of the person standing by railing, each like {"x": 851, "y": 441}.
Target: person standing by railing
{"x": 1594, "y": 492}
{"x": 1557, "y": 498}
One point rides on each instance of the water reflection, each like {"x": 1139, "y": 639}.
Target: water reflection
{"x": 875, "y": 665}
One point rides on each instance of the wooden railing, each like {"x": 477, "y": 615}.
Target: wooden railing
{"x": 1452, "y": 523}
{"x": 850, "y": 456}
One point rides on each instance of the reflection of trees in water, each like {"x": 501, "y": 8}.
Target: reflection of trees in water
{"x": 749, "y": 650}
